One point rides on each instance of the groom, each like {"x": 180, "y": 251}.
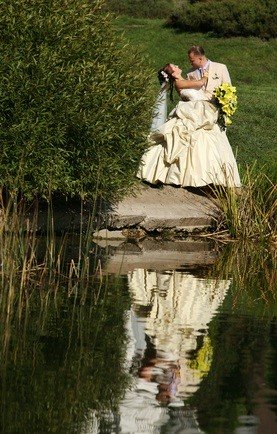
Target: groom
{"x": 217, "y": 72}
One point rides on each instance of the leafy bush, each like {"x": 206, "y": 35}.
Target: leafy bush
{"x": 74, "y": 101}
{"x": 230, "y": 17}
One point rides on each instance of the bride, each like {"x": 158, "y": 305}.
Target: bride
{"x": 189, "y": 149}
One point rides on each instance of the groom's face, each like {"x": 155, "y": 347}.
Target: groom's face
{"x": 195, "y": 60}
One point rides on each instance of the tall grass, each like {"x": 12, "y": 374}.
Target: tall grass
{"x": 41, "y": 262}
{"x": 249, "y": 212}
{"x": 252, "y": 269}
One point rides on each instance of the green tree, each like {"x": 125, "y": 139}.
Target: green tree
{"x": 75, "y": 99}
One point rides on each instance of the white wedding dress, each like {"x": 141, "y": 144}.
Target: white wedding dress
{"x": 189, "y": 149}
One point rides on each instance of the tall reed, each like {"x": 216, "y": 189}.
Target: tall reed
{"x": 251, "y": 266}
{"x": 43, "y": 263}
{"x": 249, "y": 212}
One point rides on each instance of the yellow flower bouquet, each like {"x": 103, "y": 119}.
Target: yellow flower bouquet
{"x": 225, "y": 97}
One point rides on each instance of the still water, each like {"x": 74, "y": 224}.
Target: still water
{"x": 170, "y": 338}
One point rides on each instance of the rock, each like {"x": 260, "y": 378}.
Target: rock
{"x": 158, "y": 209}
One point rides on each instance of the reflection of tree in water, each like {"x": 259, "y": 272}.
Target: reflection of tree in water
{"x": 64, "y": 360}
{"x": 240, "y": 382}
{"x": 231, "y": 388}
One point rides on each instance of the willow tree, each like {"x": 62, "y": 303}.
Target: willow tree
{"x": 75, "y": 100}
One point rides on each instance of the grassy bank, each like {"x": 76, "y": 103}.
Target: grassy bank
{"x": 252, "y": 66}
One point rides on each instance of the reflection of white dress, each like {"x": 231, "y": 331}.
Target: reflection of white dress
{"x": 190, "y": 149}
{"x": 181, "y": 307}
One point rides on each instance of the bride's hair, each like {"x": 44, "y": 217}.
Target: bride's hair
{"x": 165, "y": 77}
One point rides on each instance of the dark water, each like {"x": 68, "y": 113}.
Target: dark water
{"x": 168, "y": 340}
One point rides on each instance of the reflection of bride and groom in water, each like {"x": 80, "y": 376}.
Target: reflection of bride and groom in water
{"x": 169, "y": 347}
{"x": 189, "y": 148}
{"x": 169, "y": 351}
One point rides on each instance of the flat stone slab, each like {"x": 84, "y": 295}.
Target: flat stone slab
{"x": 157, "y": 209}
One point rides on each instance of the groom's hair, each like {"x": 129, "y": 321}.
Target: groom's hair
{"x": 197, "y": 49}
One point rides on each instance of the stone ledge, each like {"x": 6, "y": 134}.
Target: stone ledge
{"x": 169, "y": 208}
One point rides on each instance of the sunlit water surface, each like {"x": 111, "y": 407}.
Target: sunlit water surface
{"x": 154, "y": 351}
{"x": 197, "y": 366}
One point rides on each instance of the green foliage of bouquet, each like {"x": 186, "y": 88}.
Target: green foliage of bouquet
{"x": 225, "y": 97}
{"x": 74, "y": 100}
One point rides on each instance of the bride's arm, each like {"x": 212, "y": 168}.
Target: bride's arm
{"x": 182, "y": 83}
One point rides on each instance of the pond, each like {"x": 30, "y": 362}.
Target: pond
{"x": 166, "y": 338}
